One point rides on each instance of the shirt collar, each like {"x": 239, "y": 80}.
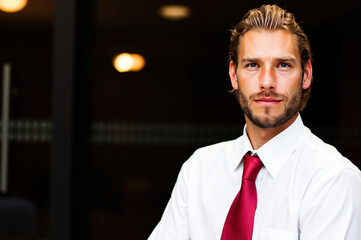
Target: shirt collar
{"x": 276, "y": 151}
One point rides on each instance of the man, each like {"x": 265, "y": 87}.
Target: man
{"x": 278, "y": 180}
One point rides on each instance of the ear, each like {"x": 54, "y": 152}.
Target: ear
{"x": 307, "y": 75}
{"x": 233, "y": 75}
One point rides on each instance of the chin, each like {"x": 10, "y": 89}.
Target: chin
{"x": 268, "y": 120}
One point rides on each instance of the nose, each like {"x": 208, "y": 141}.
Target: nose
{"x": 267, "y": 79}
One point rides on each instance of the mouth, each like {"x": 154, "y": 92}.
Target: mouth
{"x": 268, "y": 101}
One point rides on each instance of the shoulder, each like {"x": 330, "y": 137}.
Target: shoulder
{"x": 323, "y": 154}
{"x": 212, "y": 156}
{"x": 230, "y": 146}
{"x": 323, "y": 163}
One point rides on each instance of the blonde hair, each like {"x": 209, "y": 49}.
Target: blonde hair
{"x": 270, "y": 18}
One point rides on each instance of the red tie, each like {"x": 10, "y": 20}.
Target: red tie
{"x": 239, "y": 222}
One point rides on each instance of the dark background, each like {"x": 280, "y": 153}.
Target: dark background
{"x": 98, "y": 158}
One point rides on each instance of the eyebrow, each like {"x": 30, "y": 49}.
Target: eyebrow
{"x": 287, "y": 59}
{"x": 247, "y": 60}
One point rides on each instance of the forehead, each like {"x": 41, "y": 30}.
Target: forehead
{"x": 258, "y": 43}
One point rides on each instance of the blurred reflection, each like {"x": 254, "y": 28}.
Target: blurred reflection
{"x": 12, "y": 5}
{"x": 175, "y": 12}
{"x": 126, "y": 62}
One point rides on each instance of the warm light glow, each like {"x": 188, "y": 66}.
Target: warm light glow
{"x": 12, "y": 5}
{"x": 126, "y": 62}
{"x": 138, "y": 62}
{"x": 123, "y": 62}
{"x": 175, "y": 12}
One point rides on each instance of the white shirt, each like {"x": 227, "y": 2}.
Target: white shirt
{"x": 306, "y": 190}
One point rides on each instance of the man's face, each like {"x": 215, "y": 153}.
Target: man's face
{"x": 269, "y": 77}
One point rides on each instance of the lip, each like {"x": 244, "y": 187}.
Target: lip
{"x": 267, "y": 101}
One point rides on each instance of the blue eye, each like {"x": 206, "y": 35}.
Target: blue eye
{"x": 284, "y": 65}
{"x": 252, "y": 65}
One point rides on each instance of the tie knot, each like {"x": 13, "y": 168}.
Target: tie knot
{"x": 252, "y": 165}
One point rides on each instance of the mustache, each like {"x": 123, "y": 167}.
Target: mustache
{"x": 271, "y": 94}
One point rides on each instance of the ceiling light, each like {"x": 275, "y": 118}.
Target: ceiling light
{"x": 126, "y": 62}
{"x": 12, "y": 5}
{"x": 175, "y": 12}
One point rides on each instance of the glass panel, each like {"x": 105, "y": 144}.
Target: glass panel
{"x": 26, "y": 45}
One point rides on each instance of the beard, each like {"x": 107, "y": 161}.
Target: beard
{"x": 291, "y": 107}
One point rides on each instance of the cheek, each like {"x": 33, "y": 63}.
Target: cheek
{"x": 246, "y": 89}
{"x": 248, "y": 84}
{"x": 290, "y": 85}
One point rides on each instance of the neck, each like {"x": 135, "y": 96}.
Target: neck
{"x": 259, "y": 136}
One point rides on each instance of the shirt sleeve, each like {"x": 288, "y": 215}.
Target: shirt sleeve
{"x": 174, "y": 222}
{"x": 332, "y": 209}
